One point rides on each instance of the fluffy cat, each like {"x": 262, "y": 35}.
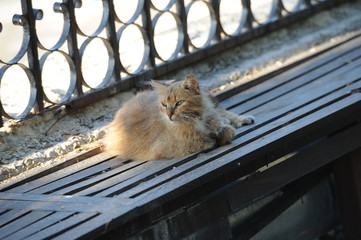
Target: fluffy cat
{"x": 171, "y": 121}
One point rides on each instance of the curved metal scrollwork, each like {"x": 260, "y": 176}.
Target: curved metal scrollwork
{"x": 110, "y": 63}
{"x": 62, "y": 9}
{"x": 20, "y": 20}
{"x": 103, "y": 23}
{"x": 32, "y": 95}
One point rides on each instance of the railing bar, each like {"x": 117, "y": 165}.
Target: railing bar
{"x": 32, "y": 53}
{"x": 147, "y": 24}
{"x": 215, "y": 4}
{"x": 73, "y": 47}
{"x": 183, "y": 17}
{"x": 112, "y": 37}
{"x": 1, "y": 118}
{"x": 249, "y": 20}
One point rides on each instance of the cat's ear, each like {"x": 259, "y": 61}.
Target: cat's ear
{"x": 157, "y": 85}
{"x": 190, "y": 83}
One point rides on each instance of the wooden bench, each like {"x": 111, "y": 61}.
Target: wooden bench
{"x": 308, "y": 128}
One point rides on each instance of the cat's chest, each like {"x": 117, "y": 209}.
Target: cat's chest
{"x": 189, "y": 132}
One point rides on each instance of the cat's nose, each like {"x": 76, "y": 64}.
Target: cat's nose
{"x": 170, "y": 112}
{"x": 170, "y": 115}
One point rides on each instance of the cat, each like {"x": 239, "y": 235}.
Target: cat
{"x": 171, "y": 121}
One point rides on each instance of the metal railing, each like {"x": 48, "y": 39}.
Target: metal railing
{"x": 188, "y": 40}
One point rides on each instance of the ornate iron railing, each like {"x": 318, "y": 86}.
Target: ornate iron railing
{"x": 164, "y": 35}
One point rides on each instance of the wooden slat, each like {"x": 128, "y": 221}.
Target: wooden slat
{"x": 59, "y": 174}
{"x": 36, "y": 173}
{"x": 37, "y": 226}
{"x": 297, "y": 68}
{"x": 50, "y": 198}
{"x": 53, "y": 203}
{"x": 66, "y": 224}
{"x": 130, "y": 179}
{"x": 78, "y": 176}
{"x": 291, "y": 87}
{"x": 127, "y": 169}
{"x": 312, "y": 69}
{"x": 314, "y": 100}
{"x": 22, "y": 222}
{"x": 157, "y": 168}
{"x": 11, "y": 215}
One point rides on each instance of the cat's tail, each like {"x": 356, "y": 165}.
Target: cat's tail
{"x": 113, "y": 141}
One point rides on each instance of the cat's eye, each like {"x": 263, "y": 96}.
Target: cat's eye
{"x": 179, "y": 103}
{"x": 164, "y": 105}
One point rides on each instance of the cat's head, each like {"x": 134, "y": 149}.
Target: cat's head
{"x": 180, "y": 101}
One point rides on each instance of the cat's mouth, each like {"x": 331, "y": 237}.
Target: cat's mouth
{"x": 172, "y": 118}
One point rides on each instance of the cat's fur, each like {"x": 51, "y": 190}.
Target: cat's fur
{"x": 171, "y": 121}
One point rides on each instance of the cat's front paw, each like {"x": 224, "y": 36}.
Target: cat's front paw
{"x": 244, "y": 120}
{"x": 226, "y": 135}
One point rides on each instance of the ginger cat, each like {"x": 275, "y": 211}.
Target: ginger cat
{"x": 171, "y": 121}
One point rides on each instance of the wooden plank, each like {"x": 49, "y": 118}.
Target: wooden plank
{"x": 64, "y": 225}
{"x": 130, "y": 179}
{"x": 22, "y": 222}
{"x": 347, "y": 173}
{"x": 77, "y": 176}
{"x": 10, "y": 215}
{"x": 291, "y": 86}
{"x": 51, "y": 206}
{"x": 59, "y": 174}
{"x": 295, "y": 110}
{"x": 118, "y": 171}
{"x": 307, "y": 71}
{"x": 39, "y": 172}
{"x": 37, "y": 226}
{"x": 310, "y": 62}
{"x": 50, "y": 198}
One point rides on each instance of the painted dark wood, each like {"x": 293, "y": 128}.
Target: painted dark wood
{"x": 347, "y": 172}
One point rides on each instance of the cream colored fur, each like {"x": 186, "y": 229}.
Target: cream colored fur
{"x": 171, "y": 121}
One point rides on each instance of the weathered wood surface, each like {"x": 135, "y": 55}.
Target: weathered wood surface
{"x": 310, "y": 113}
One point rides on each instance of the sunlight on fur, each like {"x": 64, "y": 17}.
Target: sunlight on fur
{"x": 171, "y": 121}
